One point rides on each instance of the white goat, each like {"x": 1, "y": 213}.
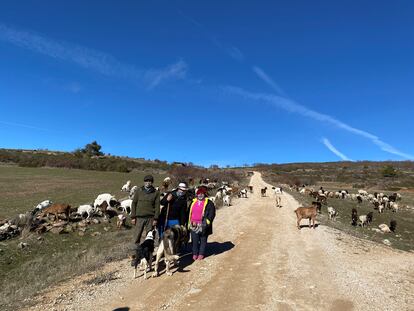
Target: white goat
{"x": 243, "y": 193}
{"x": 226, "y": 200}
{"x": 127, "y": 186}
{"x": 332, "y": 213}
{"x": 126, "y": 206}
{"x": 42, "y": 205}
{"x": 87, "y": 208}
{"x": 384, "y": 228}
{"x": 104, "y": 197}
{"x": 132, "y": 191}
{"x": 363, "y": 219}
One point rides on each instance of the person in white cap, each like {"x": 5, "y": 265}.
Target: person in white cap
{"x": 175, "y": 208}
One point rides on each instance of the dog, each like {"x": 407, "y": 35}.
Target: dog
{"x": 173, "y": 239}
{"x": 143, "y": 255}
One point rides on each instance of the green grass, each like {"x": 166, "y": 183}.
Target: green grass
{"x": 23, "y": 188}
{"x": 56, "y": 257}
{"x": 403, "y": 239}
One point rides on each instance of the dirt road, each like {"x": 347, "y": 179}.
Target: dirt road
{"x": 259, "y": 260}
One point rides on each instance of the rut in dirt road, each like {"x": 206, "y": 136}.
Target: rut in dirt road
{"x": 257, "y": 259}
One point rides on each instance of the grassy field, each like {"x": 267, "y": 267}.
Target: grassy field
{"x": 23, "y": 188}
{"x": 55, "y": 257}
{"x": 403, "y": 238}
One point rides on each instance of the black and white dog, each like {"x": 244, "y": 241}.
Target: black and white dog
{"x": 172, "y": 241}
{"x": 143, "y": 255}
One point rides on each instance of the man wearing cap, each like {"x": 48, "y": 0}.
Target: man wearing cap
{"x": 145, "y": 209}
{"x": 175, "y": 208}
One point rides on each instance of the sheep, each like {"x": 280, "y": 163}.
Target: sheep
{"x": 277, "y": 190}
{"x": 263, "y": 191}
{"x": 395, "y": 207}
{"x": 384, "y": 228}
{"x": 105, "y": 197}
{"x": 363, "y": 193}
{"x": 41, "y": 206}
{"x": 332, "y": 213}
{"x": 306, "y": 213}
{"x": 363, "y": 220}
{"x": 57, "y": 209}
{"x": 126, "y": 206}
{"x": 226, "y": 200}
{"x": 120, "y": 222}
{"x": 354, "y": 216}
{"x": 381, "y": 208}
{"x": 359, "y": 199}
{"x": 243, "y": 193}
{"x": 87, "y": 208}
{"x": 132, "y": 191}
{"x": 127, "y": 186}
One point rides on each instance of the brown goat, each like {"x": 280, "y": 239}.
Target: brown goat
{"x": 56, "y": 209}
{"x": 306, "y": 213}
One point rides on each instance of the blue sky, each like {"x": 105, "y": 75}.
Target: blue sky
{"x": 215, "y": 82}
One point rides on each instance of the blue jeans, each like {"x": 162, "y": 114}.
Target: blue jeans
{"x": 169, "y": 224}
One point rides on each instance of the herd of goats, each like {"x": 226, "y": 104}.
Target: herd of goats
{"x": 379, "y": 201}
{"x": 62, "y": 218}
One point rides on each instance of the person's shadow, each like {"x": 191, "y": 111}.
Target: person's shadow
{"x": 217, "y": 248}
{"x": 186, "y": 257}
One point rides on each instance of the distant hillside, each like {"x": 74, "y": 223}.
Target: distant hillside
{"x": 383, "y": 175}
{"x": 77, "y": 160}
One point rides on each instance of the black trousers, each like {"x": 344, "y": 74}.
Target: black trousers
{"x": 199, "y": 243}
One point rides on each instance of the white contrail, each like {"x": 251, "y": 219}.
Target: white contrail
{"x": 87, "y": 58}
{"x": 174, "y": 71}
{"x": 262, "y": 75}
{"x": 24, "y": 126}
{"x": 328, "y": 145}
{"x": 292, "y": 106}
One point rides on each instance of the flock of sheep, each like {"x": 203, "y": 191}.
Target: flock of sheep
{"x": 379, "y": 201}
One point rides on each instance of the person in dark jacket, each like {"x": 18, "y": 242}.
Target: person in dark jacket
{"x": 175, "y": 208}
{"x": 200, "y": 222}
{"x": 145, "y": 209}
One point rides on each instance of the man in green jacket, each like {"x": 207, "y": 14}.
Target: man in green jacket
{"x": 145, "y": 209}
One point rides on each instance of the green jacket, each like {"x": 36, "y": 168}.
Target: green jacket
{"x": 146, "y": 203}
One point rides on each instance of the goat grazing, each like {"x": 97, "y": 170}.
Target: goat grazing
{"x": 332, "y": 213}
